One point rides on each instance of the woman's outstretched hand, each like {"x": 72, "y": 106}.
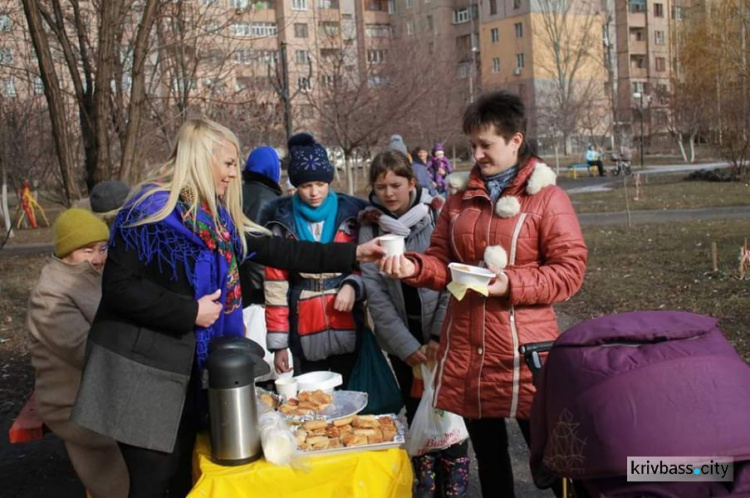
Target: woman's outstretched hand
{"x": 370, "y": 252}
{"x": 397, "y": 267}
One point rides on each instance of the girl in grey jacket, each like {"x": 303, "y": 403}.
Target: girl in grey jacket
{"x": 407, "y": 320}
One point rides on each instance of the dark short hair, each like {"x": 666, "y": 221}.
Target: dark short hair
{"x": 503, "y": 110}
{"x": 390, "y": 160}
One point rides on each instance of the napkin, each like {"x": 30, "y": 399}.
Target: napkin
{"x": 459, "y": 290}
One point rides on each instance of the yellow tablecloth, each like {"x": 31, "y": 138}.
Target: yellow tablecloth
{"x": 361, "y": 474}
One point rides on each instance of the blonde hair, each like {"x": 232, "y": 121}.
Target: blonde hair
{"x": 190, "y": 168}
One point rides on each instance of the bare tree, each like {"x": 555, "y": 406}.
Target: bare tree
{"x": 569, "y": 33}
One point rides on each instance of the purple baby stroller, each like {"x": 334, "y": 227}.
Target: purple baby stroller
{"x": 652, "y": 383}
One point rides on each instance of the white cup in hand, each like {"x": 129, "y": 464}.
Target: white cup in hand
{"x": 286, "y": 387}
{"x": 393, "y": 245}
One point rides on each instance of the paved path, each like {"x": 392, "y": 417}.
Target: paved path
{"x": 664, "y": 216}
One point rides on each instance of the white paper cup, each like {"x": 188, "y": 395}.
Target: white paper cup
{"x": 393, "y": 245}
{"x": 286, "y": 387}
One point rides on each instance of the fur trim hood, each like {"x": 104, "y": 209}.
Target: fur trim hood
{"x": 531, "y": 179}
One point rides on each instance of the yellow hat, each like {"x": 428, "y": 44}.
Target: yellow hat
{"x": 76, "y": 228}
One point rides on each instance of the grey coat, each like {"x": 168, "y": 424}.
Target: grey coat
{"x": 385, "y": 298}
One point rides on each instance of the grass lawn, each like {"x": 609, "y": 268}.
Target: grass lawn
{"x": 668, "y": 266}
{"x": 671, "y": 192}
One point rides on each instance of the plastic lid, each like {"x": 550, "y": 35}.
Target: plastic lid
{"x": 236, "y": 343}
{"x": 230, "y": 368}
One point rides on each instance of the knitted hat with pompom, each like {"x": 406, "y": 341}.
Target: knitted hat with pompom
{"x": 308, "y": 161}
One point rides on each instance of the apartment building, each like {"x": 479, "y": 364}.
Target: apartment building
{"x": 644, "y": 58}
{"x": 550, "y": 53}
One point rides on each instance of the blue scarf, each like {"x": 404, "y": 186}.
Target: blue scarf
{"x": 496, "y": 184}
{"x": 172, "y": 242}
{"x": 326, "y": 212}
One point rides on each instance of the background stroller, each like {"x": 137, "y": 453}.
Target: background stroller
{"x": 639, "y": 384}
{"x": 621, "y": 165}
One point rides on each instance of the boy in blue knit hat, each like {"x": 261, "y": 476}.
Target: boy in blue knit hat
{"x": 316, "y": 316}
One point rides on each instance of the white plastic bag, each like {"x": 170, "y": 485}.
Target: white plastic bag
{"x": 433, "y": 429}
{"x": 276, "y": 438}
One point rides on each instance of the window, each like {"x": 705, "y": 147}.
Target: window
{"x": 637, "y": 87}
{"x": 38, "y": 86}
{"x": 516, "y": 4}
{"x": 659, "y": 37}
{"x": 301, "y": 56}
{"x": 263, "y": 29}
{"x": 429, "y": 23}
{"x": 409, "y": 4}
{"x": 299, "y": 4}
{"x": 8, "y": 87}
{"x": 376, "y": 80}
{"x": 328, "y": 4}
{"x": 376, "y": 56}
{"x": 238, "y": 4}
{"x": 6, "y": 55}
{"x": 184, "y": 85}
{"x": 636, "y": 34}
{"x": 678, "y": 13}
{"x": 636, "y": 6}
{"x": 375, "y": 5}
{"x": 520, "y": 61}
{"x": 263, "y": 5}
{"x": 306, "y": 112}
{"x": 329, "y": 54}
{"x": 496, "y": 65}
{"x": 661, "y": 64}
{"x": 391, "y": 7}
{"x": 329, "y": 28}
{"x": 409, "y": 28}
{"x": 247, "y": 56}
{"x": 519, "y": 29}
{"x": 464, "y": 69}
{"x": 494, "y": 35}
{"x": 638, "y": 62}
{"x": 300, "y": 30}
{"x": 662, "y": 93}
{"x": 658, "y": 10}
{"x": 304, "y": 84}
{"x": 461, "y": 16}
{"x": 378, "y": 30}
{"x": 493, "y": 7}
{"x": 4, "y": 22}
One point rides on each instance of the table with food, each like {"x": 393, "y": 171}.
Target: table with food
{"x": 313, "y": 442}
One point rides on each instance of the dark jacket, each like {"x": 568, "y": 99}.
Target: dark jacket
{"x": 257, "y": 190}
{"x": 141, "y": 347}
{"x": 423, "y": 176}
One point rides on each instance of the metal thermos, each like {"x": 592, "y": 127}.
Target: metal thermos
{"x": 232, "y": 410}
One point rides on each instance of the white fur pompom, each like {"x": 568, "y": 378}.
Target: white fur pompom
{"x": 457, "y": 181}
{"x": 543, "y": 176}
{"x": 508, "y": 206}
{"x": 496, "y": 256}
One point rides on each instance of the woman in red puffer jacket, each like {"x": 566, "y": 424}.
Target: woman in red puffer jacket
{"x": 510, "y": 216}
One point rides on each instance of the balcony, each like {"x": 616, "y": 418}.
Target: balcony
{"x": 637, "y": 47}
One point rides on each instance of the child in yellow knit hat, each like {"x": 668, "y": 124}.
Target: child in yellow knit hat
{"x": 81, "y": 236}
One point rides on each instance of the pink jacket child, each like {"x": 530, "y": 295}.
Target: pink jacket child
{"x": 439, "y": 168}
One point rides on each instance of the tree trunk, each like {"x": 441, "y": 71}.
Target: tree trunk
{"x": 5, "y": 207}
{"x": 349, "y": 175}
{"x": 128, "y": 172}
{"x": 557, "y": 158}
{"x": 103, "y": 88}
{"x": 55, "y": 103}
{"x": 692, "y": 148}
{"x": 681, "y": 145}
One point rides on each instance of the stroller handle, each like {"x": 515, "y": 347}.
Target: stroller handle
{"x": 539, "y": 347}
{"x": 532, "y": 358}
